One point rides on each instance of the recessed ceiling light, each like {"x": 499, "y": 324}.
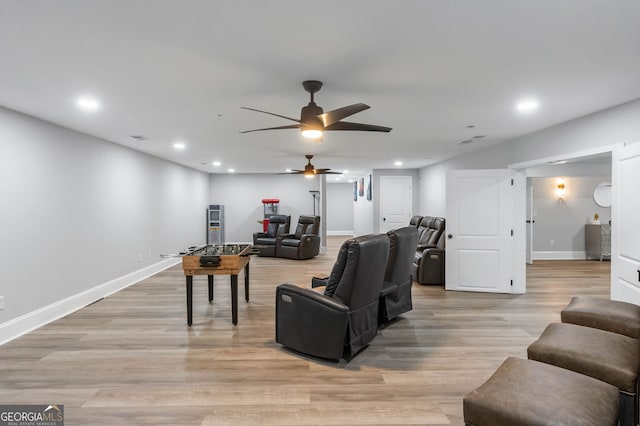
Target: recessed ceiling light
{"x": 344, "y": 172}
{"x": 527, "y": 105}
{"x": 231, "y": 170}
{"x": 398, "y": 163}
{"x": 216, "y": 163}
{"x": 287, "y": 170}
{"x": 179, "y": 145}
{"x": 87, "y": 103}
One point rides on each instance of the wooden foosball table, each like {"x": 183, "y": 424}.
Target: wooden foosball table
{"x": 210, "y": 260}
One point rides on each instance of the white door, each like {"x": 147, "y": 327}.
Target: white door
{"x": 625, "y": 227}
{"x": 395, "y": 202}
{"x": 530, "y": 221}
{"x": 483, "y": 236}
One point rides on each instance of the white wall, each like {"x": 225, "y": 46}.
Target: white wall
{"x": 242, "y": 196}
{"x": 78, "y": 212}
{"x": 599, "y": 130}
{"x": 340, "y": 208}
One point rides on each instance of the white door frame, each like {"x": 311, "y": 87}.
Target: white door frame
{"x": 529, "y": 221}
{"x": 523, "y": 166}
{"x": 625, "y": 254}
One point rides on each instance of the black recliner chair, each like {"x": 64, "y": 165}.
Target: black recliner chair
{"x": 339, "y": 319}
{"x": 395, "y": 296}
{"x": 265, "y": 242}
{"x": 304, "y": 243}
{"x": 428, "y": 264}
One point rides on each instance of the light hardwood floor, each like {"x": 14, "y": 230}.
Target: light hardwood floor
{"x": 130, "y": 359}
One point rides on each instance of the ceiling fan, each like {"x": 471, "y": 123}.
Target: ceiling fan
{"x": 314, "y": 121}
{"x": 310, "y": 170}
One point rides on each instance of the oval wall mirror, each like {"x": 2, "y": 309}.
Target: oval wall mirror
{"x": 602, "y": 194}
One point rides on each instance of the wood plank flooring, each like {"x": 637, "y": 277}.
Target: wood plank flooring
{"x": 130, "y": 359}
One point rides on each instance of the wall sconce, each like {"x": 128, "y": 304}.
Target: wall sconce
{"x": 560, "y": 188}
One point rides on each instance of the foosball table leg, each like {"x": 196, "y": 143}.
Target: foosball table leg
{"x": 210, "y": 279}
{"x": 234, "y": 299}
{"x": 189, "y": 300}
{"x": 246, "y": 282}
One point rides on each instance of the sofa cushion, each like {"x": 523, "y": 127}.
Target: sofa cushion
{"x": 610, "y": 357}
{"x": 615, "y": 316}
{"x": 290, "y": 242}
{"x": 524, "y": 392}
{"x": 265, "y": 241}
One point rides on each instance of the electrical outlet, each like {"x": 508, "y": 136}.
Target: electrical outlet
{"x": 1, "y": 303}
{"x": 552, "y": 242}
{"x": 139, "y": 257}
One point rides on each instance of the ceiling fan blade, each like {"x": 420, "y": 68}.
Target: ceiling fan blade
{"x": 290, "y": 126}
{"x": 327, "y": 172}
{"x": 345, "y": 125}
{"x": 293, "y": 172}
{"x": 328, "y": 118}
{"x": 272, "y": 113}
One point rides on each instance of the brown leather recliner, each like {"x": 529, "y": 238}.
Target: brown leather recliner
{"x": 428, "y": 263}
{"x": 341, "y": 319}
{"x": 265, "y": 242}
{"x": 395, "y": 296}
{"x": 304, "y": 243}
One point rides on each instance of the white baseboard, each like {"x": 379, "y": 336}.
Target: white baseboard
{"x": 340, "y": 233}
{"x": 559, "y": 255}
{"x": 18, "y": 326}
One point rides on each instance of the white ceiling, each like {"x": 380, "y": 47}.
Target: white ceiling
{"x": 180, "y": 70}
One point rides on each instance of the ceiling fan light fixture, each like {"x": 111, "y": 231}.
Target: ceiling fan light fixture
{"x": 309, "y": 174}
{"x": 312, "y": 133}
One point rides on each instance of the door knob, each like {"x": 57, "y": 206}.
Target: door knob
{"x": 449, "y": 236}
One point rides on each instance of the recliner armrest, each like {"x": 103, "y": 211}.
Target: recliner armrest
{"x": 422, "y": 247}
{"x": 310, "y": 322}
{"x": 432, "y": 255}
{"x": 308, "y": 297}
{"x": 319, "y": 282}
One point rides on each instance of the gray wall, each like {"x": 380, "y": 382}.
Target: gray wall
{"x": 562, "y": 219}
{"x": 242, "y": 196}
{"x": 340, "y": 208}
{"x": 79, "y": 211}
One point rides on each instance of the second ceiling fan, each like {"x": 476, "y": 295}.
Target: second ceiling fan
{"x": 314, "y": 121}
{"x": 310, "y": 170}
